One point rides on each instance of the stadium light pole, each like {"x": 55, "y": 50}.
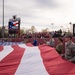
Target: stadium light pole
{"x": 52, "y": 25}
{"x": 3, "y": 22}
{"x": 61, "y": 28}
{"x": 71, "y": 27}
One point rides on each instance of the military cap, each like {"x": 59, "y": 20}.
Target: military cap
{"x": 68, "y": 35}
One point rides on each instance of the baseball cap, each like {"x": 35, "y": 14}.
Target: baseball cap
{"x": 68, "y": 35}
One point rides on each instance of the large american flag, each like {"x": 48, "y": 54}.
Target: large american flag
{"x": 22, "y": 59}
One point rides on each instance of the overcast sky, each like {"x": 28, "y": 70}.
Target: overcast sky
{"x": 40, "y": 13}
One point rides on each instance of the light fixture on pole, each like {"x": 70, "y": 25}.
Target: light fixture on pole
{"x": 71, "y": 27}
{"x": 52, "y": 25}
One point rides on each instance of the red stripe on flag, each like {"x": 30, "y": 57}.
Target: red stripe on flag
{"x": 1, "y": 48}
{"x": 53, "y": 62}
{"x": 29, "y": 44}
{"x": 11, "y": 62}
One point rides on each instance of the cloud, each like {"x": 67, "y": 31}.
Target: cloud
{"x": 40, "y": 13}
{"x": 47, "y": 3}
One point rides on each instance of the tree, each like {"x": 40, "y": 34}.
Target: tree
{"x": 33, "y": 29}
{"x": 45, "y": 30}
{"x": 21, "y": 31}
{"x": 28, "y": 31}
{"x": 0, "y": 32}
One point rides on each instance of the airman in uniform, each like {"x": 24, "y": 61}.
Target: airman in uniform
{"x": 69, "y": 48}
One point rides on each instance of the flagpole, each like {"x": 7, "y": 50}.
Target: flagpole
{"x": 3, "y": 22}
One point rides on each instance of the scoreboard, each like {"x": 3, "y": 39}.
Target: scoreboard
{"x": 14, "y": 26}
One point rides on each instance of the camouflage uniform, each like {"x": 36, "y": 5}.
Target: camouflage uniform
{"x": 70, "y": 51}
{"x": 51, "y": 42}
{"x": 69, "y": 48}
{"x": 59, "y": 48}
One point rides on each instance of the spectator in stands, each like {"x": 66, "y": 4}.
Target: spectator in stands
{"x": 25, "y": 41}
{"x": 35, "y": 42}
{"x": 59, "y": 46}
{"x": 51, "y": 42}
{"x": 69, "y": 48}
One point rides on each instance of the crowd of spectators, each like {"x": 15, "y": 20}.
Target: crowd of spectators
{"x": 42, "y": 34}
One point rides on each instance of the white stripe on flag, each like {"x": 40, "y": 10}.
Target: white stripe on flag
{"x": 31, "y": 63}
{"x": 6, "y": 50}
